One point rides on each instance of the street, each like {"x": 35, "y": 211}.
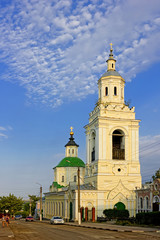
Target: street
{"x": 22, "y": 230}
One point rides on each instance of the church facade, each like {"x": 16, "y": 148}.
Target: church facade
{"x": 112, "y": 170}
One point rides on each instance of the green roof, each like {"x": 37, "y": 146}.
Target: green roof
{"x": 71, "y": 162}
{"x": 55, "y": 184}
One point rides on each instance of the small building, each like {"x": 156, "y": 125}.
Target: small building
{"x": 61, "y": 200}
{"x": 148, "y": 197}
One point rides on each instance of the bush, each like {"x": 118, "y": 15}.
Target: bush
{"x": 116, "y": 214}
{"x": 129, "y": 222}
{"x": 148, "y": 218}
{"x": 23, "y": 213}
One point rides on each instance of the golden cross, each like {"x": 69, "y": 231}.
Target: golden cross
{"x": 111, "y": 45}
{"x": 71, "y": 128}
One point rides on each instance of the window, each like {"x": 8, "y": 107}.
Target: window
{"x": 112, "y": 65}
{"x": 92, "y": 142}
{"x": 141, "y": 203}
{"x": 156, "y": 199}
{"x": 75, "y": 178}
{"x": 106, "y": 91}
{"x": 72, "y": 151}
{"x": 93, "y": 154}
{"x": 118, "y": 145}
{"x": 115, "y": 91}
{"x": 62, "y": 178}
{"x": 69, "y": 151}
{"x": 147, "y": 203}
{"x": 155, "y": 186}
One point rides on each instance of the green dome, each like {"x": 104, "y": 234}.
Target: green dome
{"x": 71, "y": 162}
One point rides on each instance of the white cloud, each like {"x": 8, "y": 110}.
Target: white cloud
{"x": 4, "y": 132}
{"x": 57, "y": 49}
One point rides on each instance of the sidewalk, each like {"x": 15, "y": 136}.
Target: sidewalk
{"x": 113, "y": 227}
{"x": 110, "y": 227}
{"x": 6, "y": 232}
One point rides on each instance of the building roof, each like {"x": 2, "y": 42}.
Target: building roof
{"x": 111, "y": 73}
{"x": 71, "y": 162}
{"x": 56, "y": 185}
{"x": 71, "y": 141}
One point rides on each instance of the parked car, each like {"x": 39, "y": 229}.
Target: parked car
{"x": 56, "y": 220}
{"x": 29, "y": 219}
{"x": 18, "y": 217}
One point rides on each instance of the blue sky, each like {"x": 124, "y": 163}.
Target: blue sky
{"x": 51, "y": 55}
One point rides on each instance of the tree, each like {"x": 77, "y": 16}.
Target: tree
{"x": 34, "y": 200}
{"x": 11, "y": 203}
{"x": 156, "y": 175}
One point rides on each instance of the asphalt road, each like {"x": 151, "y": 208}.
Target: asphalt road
{"x": 43, "y": 231}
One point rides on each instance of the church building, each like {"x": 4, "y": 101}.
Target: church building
{"x": 112, "y": 170}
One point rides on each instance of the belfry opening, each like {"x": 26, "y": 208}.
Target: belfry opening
{"x": 118, "y": 145}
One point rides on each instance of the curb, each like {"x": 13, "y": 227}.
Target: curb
{"x": 114, "y": 230}
{"x": 108, "y": 229}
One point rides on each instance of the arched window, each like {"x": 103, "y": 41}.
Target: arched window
{"x": 62, "y": 178}
{"x": 156, "y": 199}
{"x": 141, "y": 203}
{"x": 106, "y": 93}
{"x": 75, "y": 178}
{"x": 147, "y": 203}
{"x": 115, "y": 91}
{"x": 118, "y": 145}
{"x": 112, "y": 65}
{"x": 72, "y": 151}
{"x": 155, "y": 186}
{"x": 93, "y": 147}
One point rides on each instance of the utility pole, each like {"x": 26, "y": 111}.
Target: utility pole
{"x": 40, "y": 203}
{"x": 30, "y": 205}
{"x": 79, "y": 210}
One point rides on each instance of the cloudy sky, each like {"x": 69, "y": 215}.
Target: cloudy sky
{"x": 52, "y": 52}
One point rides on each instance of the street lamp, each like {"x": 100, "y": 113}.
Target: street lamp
{"x": 40, "y": 201}
{"x": 6, "y": 211}
{"x": 79, "y": 209}
{"x": 30, "y": 208}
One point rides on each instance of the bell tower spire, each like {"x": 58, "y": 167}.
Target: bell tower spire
{"x": 111, "y": 61}
{"x": 111, "y": 84}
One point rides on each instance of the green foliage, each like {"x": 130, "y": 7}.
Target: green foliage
{"x": 129, "y": 222}
{"x": 11, "y": 203}
{"x": 156, "y": 175}
{"x": 150, "y": 218}
{"x": 33, "y": 199}
{"x": 23, "y": 213}
{"x": 116, "y": 214}
{"x": 26, "y": 207}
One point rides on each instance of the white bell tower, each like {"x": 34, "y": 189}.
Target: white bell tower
{"x": 112, "y": 139}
